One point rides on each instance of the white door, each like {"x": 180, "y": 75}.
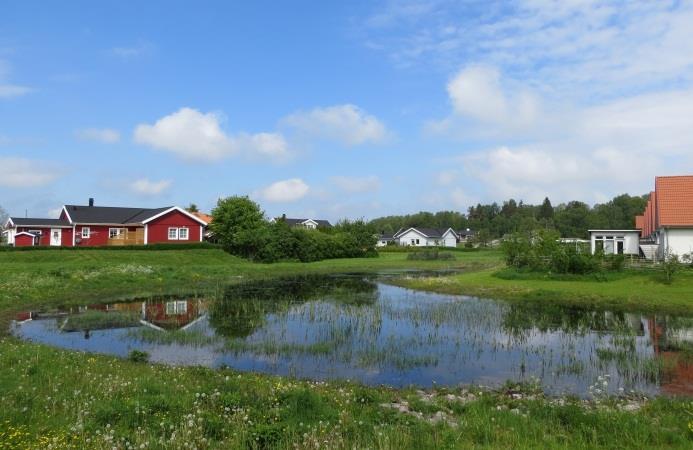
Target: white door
{"x": 56, "y": 236}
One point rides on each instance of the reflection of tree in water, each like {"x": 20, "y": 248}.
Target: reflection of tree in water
{"x": 245, "y": 306}
{"x": 519, "y": 319}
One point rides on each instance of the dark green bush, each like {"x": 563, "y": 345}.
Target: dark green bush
{"x": 542, "y": 251}
{"x": 138, "y": 356}
{"x": 430, "y": 255}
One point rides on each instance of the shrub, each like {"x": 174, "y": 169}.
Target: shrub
{"x": 138, "y": 356}
{"x": 430, "y": 255}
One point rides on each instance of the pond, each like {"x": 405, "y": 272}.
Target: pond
{"x": 360, "y": 328}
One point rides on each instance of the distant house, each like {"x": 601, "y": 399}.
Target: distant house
{"x": 385, "y": 239}
{"x": 305, "y": 223}
{"x": 465, "y": 235}
{"x": 88, "y": 226}
{"x": 426, "y": 237}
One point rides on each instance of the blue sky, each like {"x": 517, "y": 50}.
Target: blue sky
{"x": 341, "y": 109}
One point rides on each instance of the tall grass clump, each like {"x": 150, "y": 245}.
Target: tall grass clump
{"x": 430, "y": 255}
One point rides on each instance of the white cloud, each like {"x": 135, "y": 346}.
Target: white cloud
{"x": 144, "y": 186}
{"x": 139, "y": 49}
{"x": 347, "y": 124}
{"x": 566, "y": 48}
{"x": 8, "y": 89}
{"x": 271, "y": 145}
{"x": 189, "y": 134}
{"x": 104, "y": 135}
{"x": 289, "y": 190}
{"x": 26, "y": 173}
{"x": 197, "y": 136}
{"x": 476, "y": 92}
{"x": 356, "y": 184}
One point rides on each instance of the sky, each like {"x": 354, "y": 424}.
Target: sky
{"x": 341, "y": 109}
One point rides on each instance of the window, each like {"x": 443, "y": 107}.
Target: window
{"x": 36, "y": 232}
{"x": 173, "y": 234}
{"x": 86, "y": 232}
{"x": 183, "y": 234}
{"x": 116, "y": 233}
{"x": 177, "y": 307}
{"x": 417, "y": 242}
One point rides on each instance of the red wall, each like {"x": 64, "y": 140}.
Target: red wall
{"x": 98, "y": 235}
{"x": 157, "y": 231}
{"x": 23, "y": 241}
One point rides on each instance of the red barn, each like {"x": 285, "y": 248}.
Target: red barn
{"x": 88, "y": 226}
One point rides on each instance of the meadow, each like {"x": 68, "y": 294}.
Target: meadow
{"x": 60, "y": 399}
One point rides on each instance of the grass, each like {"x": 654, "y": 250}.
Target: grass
{"x": 60, "y": 399}
{"x": 72, "y": 400}
{"x": 627, "y": 291}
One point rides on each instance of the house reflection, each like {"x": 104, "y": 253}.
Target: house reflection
{"x": 167, "y": 315}
{"x": 674, "y": 344}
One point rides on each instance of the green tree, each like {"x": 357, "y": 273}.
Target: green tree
{"x": 239, "y": 225}
{"x": 3, "y": 218}
{"x": 573, "y": 219}
{"x": 192, "y": 208}
{"x": 546, "y": 210}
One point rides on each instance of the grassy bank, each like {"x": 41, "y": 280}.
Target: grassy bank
{"x": 630, "y": 290}
{"x": 50, "y": 278}
{"x": 73, "y": 400}
{"x": 60, "y": 399}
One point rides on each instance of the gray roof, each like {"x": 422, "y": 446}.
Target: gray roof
{"x": 428, "y": 232}
{"x": 321, "y": 223}
{"x": 386, "y": 237}
{"x": 466, "y": 232}
{"x": 111, "y": 214}
{"x": 30, "y": 221}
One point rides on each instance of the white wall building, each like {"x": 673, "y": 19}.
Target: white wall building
{"x": 615, "y": 242}
{"x": 426, "y": 237}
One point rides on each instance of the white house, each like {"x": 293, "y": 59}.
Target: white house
{"x": 385, "y": 239}
{"x": 615, "y": 242}
{"x": 426, "y": 237}
{"x": 305, "y": 223}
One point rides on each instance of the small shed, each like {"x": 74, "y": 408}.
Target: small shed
{"x": 615, "y": 242}
{"x": 24, "y": 239}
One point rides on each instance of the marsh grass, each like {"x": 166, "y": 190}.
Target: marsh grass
{"x": 59, "y": 399}
{"x": 100, "y": 320}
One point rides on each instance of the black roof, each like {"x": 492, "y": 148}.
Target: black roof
{"x": 386, "y": 236}
{"x": 466, "y": 232}
{"x": 321, "y": 223}
{"x": 31, "y": 221}
{"x": 111, "y": 214}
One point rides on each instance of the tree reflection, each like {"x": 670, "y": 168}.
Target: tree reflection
{"x": 245, "y": 306}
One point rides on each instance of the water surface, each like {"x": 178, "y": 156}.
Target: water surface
{"x": 359, "y": 328}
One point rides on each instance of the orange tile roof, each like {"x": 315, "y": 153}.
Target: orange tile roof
{"x": 206, "y": 217}
{"x": 673, "y": 201}
{"x": 639, "y": 222}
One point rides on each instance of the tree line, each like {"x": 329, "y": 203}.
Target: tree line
{"x": 494, "y": 220}
{"x": 242, "y": 228}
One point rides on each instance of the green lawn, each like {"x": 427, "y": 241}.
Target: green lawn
{"x": 632, "y": 291}
{"x": 59, "y": 399}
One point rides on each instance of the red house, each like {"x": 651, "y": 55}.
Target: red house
{"x": 88, "y": 226}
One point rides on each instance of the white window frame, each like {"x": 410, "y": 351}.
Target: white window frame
{"x": 35, "y": 232}
{"x": 180, "y": 235}
{"x": 121, "y": 232}
{"x": 175, "y": 238}
{"x": 87, "y": 234}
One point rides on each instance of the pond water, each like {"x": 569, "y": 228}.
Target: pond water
{"x": 360, "y": 328}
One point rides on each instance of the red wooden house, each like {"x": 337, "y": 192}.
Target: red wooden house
{"x": 88, "y": 226}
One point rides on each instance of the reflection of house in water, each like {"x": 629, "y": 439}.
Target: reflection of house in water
{"x": 173, "y": 314}
{"x": 670, "y": 344}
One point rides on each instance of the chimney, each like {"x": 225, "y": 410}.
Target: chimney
{"x": 91, "y": 201}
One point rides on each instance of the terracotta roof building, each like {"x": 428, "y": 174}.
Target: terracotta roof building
{"x": 668, "y": 217}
